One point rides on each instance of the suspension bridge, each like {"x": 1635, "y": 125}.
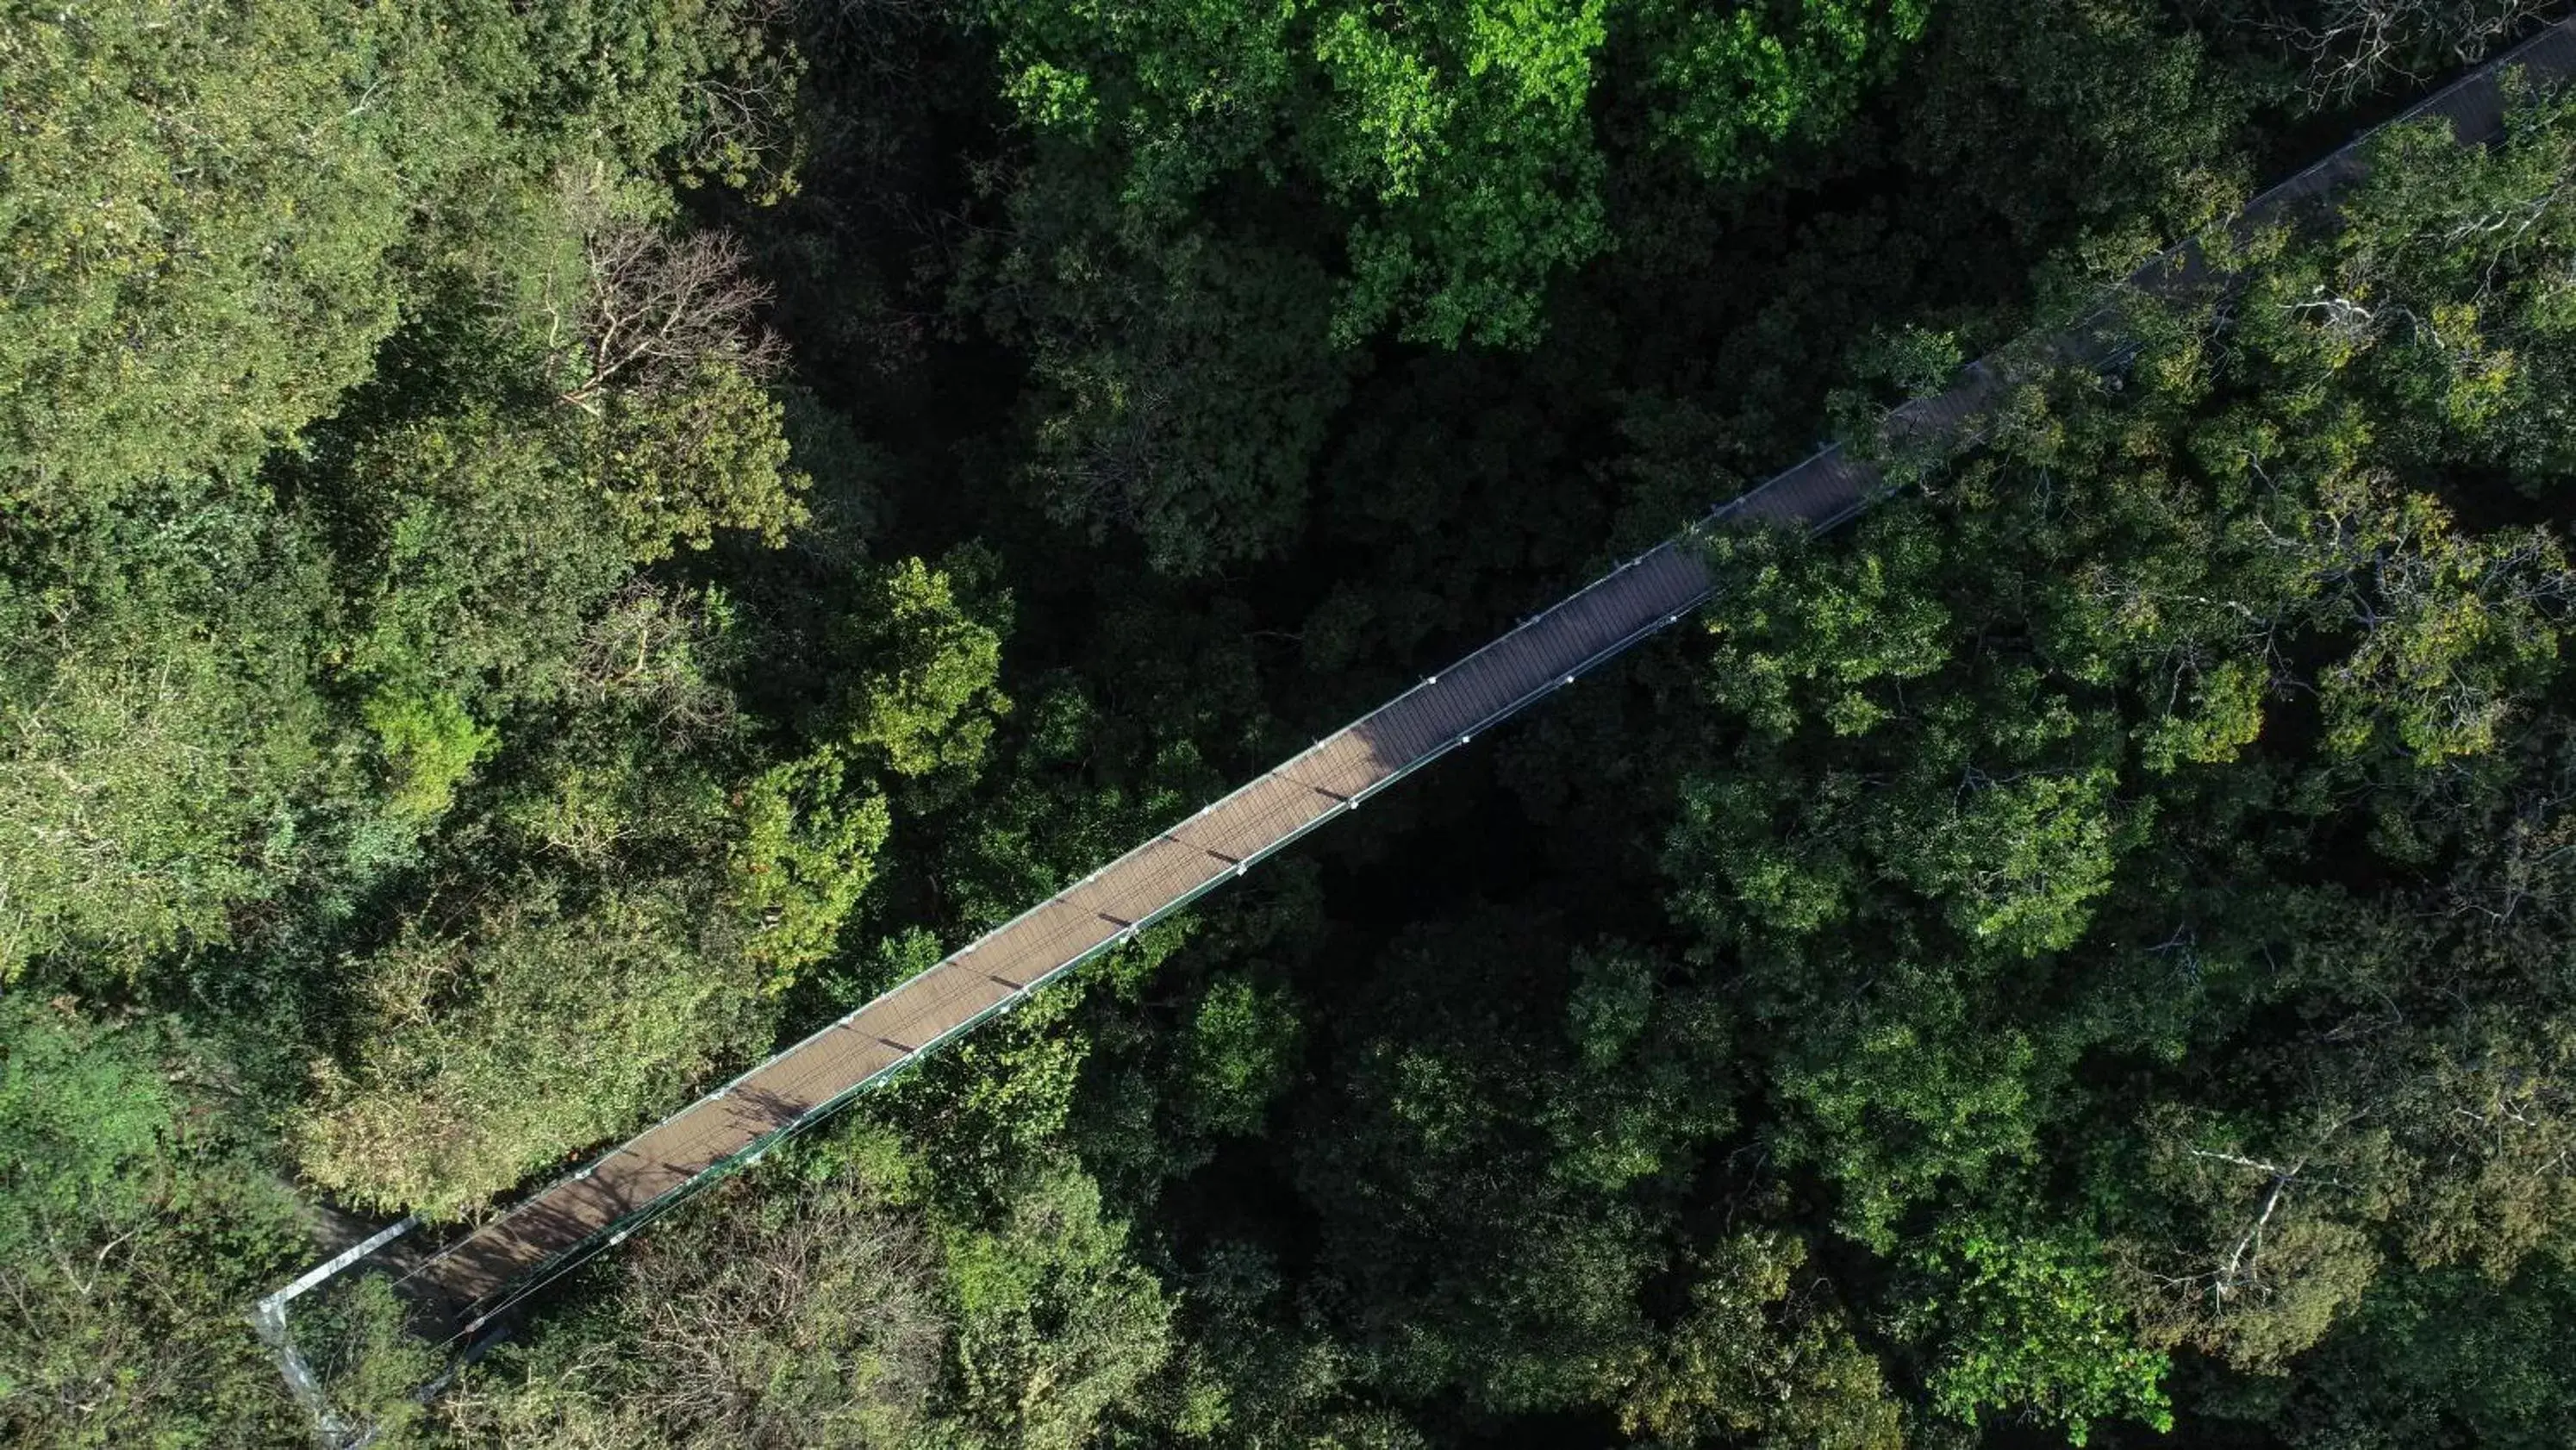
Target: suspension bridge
{"x": 491, "y": 1268}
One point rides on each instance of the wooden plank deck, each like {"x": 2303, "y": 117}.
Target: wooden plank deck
{"x": 561, "y": 1224}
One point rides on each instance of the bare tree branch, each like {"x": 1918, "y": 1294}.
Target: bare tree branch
{"x": 658, "y": 306}
{"x": 2354, "y": 47}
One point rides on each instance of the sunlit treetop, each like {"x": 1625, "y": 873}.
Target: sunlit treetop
{"x": 1455, "y": 134}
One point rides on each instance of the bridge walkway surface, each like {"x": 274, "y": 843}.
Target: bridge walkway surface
{"x": 496, "y": 1264}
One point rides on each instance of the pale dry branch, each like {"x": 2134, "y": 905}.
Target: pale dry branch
{"x": 2354, "y": 47}
{"x": 657, "y": 307}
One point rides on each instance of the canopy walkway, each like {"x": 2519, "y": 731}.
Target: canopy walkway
{"x": 490, "y": 1268}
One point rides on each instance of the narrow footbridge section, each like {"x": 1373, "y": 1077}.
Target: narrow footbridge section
{"x": 491, "y": 1268}
{"x": 736, "y": 1122}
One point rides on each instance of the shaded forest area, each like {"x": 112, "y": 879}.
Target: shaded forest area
{"x": 548, "y": 546}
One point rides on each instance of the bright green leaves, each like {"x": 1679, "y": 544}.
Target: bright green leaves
{"x": 668, "y": 886}
{"x": 1915, "y": 1091}
{"x": 2432, "y": 215}
{"x": 1790, "y": 878}
{"x": 1053, "y": 97}
{"x": 158, "y": 733}
{"x": 1732, "y": 83}
{"x": 337, "y": 715}
{"x": 1429, "y": 170}
{"x": 2452, "y": 629}
{"x": 1185, "y": 89}
{"x": 1998, "y": 809}
{"x": 918, "y": 700}
{"x": 2208, "y": 721}
{"x": 679, "y": 463}
{"x": 2000, "y": 742}
{"x": 1396, "y": 113}
{"x": 1797, "y": 623}
{"x": 703, "y": 89}
{"x": 2443, "y": 276}
{"x": 211, "y": 210}
{"x": 84, "y": 1114}
{"x": 1465, "y": 124}
{"x": 134, "y": 792}
{"x": 429, "y": 743}
{"x": 1056, "y": 1328}
{"x": 194, "y": 240}
{"x": 2445, "y": 628}
{"x": 2022, "y": 860}
{"x": 2027, "y": 1326}
{"x": 531, "y": 1026}
{"x": 921, "y": 695}
{"x": 807, "y": 852}
{"x": 1455, "y": 133}
{"x": 2026, "y": 796}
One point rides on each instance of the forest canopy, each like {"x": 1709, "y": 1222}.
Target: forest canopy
{"x": 549, "y": 547}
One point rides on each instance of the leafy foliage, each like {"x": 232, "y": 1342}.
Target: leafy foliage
{"x": 1191, "y": 370}
{"x": 806, "y": 1322}
{"x": 162, "y": 734}
{"x": 133, "y": 1226}
{"x": 548, "y": 547}
{"x": 2032, "y": 1329}
{"x": 202, "y": 206}
{"x": 1759, "y": 1358}
{"x": 680, "y": 463}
